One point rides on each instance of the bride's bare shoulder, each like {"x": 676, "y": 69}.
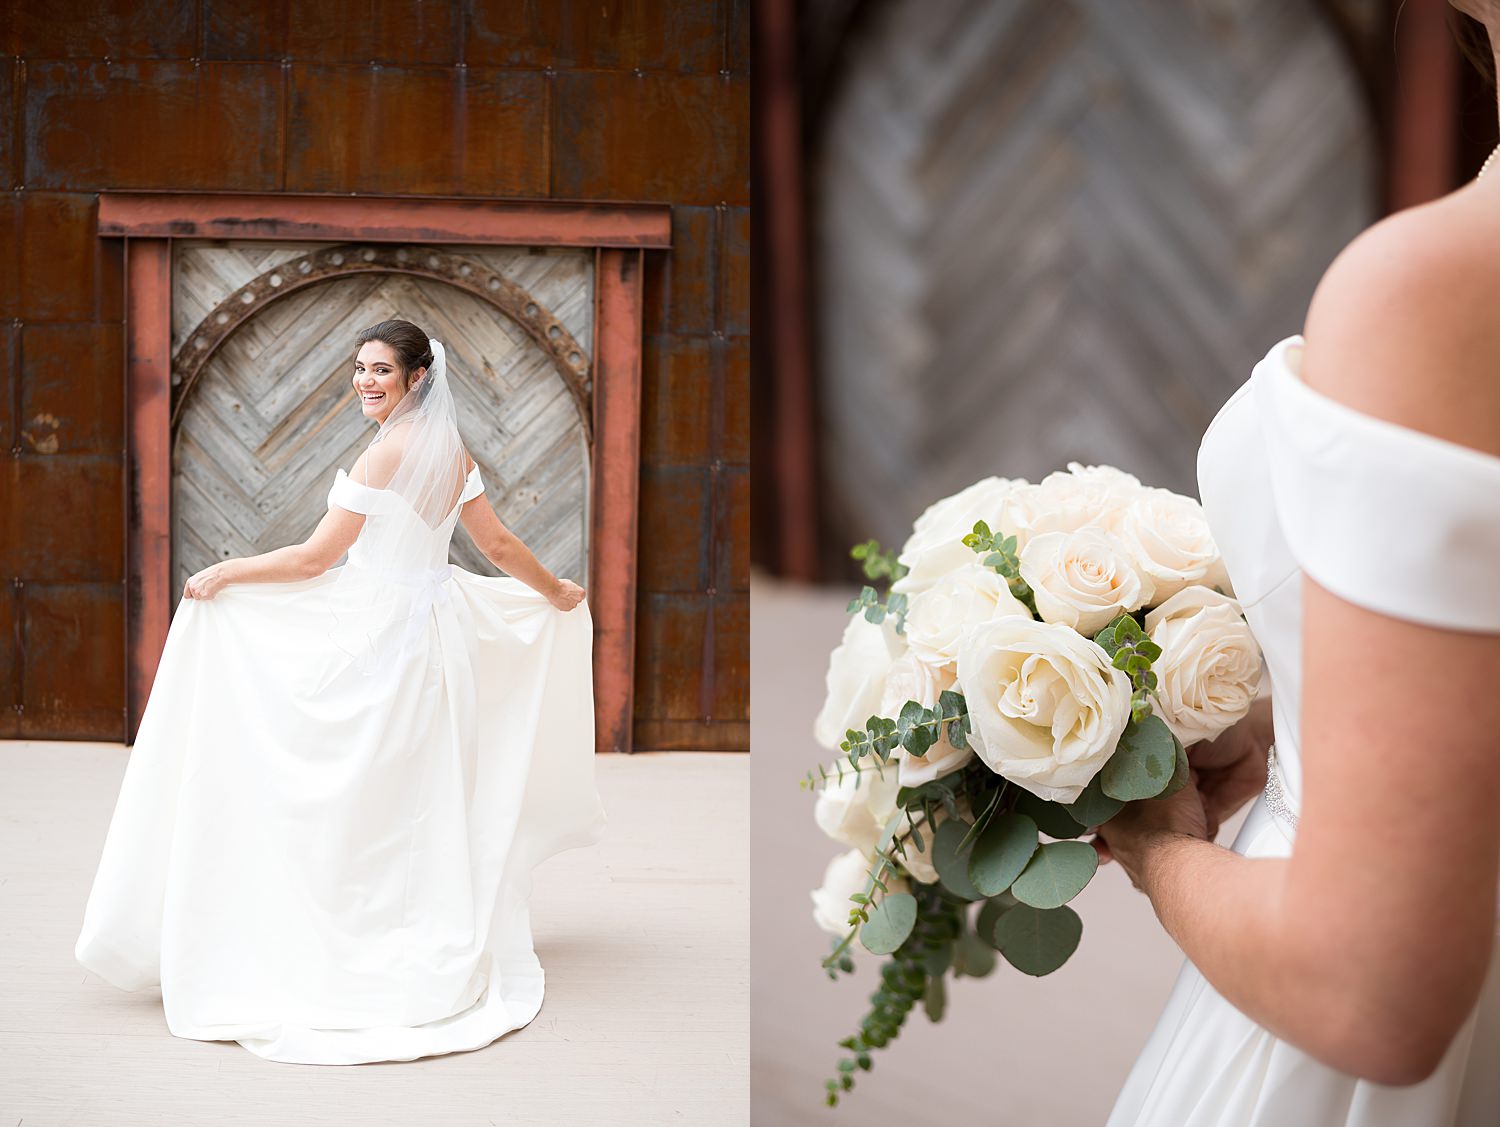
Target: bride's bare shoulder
{"x": 1402, "y": 327}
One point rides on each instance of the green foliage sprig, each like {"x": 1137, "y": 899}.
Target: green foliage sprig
{"x": 878, "y": 564}
{"x": 868, "y": 600}
{"x": 1000, "y": 554}
{"x": 914, "y": 972}
{"x": 1131, "y": 650}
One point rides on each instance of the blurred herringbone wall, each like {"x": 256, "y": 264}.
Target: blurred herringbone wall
{"x": 530, "y": 99}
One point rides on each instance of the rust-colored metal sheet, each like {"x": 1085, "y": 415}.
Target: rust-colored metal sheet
{"x": 10, "y": 70}
{"x": 63, "y": 411}
{"x": 70, "y": 635}
{"x": 732, "y": 529}
{"x": 680, "y": 285}
{"x": 608, "y": 36}
{"x": 675, "y": 401}
{"x": 625, "y": 135}
{"x": 675, "y": 529}
{"x": 148, "y": 363}
{"x": 735, "y": 444}
{"x": 616, "y": 490}
{"x": 58, "y": 256}
{"x": 1422, "y": 157}
{"x": 152, "y": 123}
{"x": 48, "y": 527}
{"x": 672, "y": 629}
{"x": 731, "y": 687}
{"x": 404, "y": 32}
{"x": 11, "y": 658}
{"x": 10, "y": 389}
{"x": 693, "y": 735}
{"x": 101, "y": 28}
{"x": 373, "y": 129}
{"x": 10, "y": 254}
{"x": 232, "y": 215}
{"x": 734, "y": 308}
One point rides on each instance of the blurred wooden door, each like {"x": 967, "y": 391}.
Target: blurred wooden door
{"x": 1048, "y": 232}
{"x": 273, "y": 414}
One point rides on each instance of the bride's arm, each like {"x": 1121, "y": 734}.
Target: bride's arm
{"x": 335, "y": 533}
{"x": 505, "y": 550}
{"x": 1368, "y": 946}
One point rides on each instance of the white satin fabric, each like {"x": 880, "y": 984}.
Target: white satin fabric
{"x": 330, "y": 867}
{"x": 1292, "y": 482}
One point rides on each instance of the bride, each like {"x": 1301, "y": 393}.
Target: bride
{"x": 1342, "y": 955}
{"x": 323, "y": 843}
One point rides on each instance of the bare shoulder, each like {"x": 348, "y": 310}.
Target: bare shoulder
{"x": 1402, "y": 326}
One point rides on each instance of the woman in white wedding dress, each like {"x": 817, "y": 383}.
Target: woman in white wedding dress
{"x": 323, "y": 843}
{"x": 1343, "y": 957}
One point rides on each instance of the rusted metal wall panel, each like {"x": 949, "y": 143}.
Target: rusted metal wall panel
{"x": 533, "y": 98}
{"x": 151, "y": 124}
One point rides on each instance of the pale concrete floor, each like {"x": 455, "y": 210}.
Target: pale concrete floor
{"x": 1011, "y": 1049}
{"x": 646, "y": 1019}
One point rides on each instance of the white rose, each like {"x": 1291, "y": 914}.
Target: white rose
{"x": 1083, "y": 497}
{"x": 936, "y": 545}
{"x": 855, "y": 815}
{"x": 918, "y": 862}
{"x": 937, "y": 617}
{"x": 1169, "y": 537}
{"x": 845, "y": 875}
{"x": 856, "y": 677}
{"x": 1045, "y": 705}
{"x": 1209, "y": 669}
{"x": 1084, "y": 579}
{"x": 911, "y": 678}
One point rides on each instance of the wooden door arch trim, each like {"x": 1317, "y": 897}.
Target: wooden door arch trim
{"x": 328, "y": 264}
{"x": 617, "y": 233}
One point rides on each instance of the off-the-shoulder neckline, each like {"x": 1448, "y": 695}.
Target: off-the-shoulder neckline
{"x": 383, "y": 489}
{"x": 1281, "y": 365}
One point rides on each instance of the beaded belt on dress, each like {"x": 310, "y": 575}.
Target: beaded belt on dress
{"x": 1276, "y": 798}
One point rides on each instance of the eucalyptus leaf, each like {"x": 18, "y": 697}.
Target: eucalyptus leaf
{"x": 952, "y": 868}
{"x": 889, "y": 924}
{"x": 1180, "y": 775}
{"x": 1036, "y": 941}
{"x": 1053, "y": 818}
{"x": 989, "y": 915}
{"x": 1143, "y": 763}
{"x": 973, "y": 956}
{"x": 935, "y": 998}
{"x": 1093, "y": 807}
{"x": 1001, "y": 852}
{"x": 1056, "y": 873}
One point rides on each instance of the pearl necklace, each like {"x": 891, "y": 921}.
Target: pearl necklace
{"x": 1487, "y": 161}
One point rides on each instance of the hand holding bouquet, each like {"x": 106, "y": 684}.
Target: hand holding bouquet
{"x": 1042, "y": 656}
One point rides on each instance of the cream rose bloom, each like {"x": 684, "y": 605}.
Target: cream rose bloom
{"x": 855, "y": 815}
{"x": 1169, "y": 537}
{"x": 1210, "y": 665}
{"x": 911, "y": 678}
{"x": 935, "y": 546}
{"x": 856, "y": 677}
{"x": 845, "y": 875}
{"x": 1084, "y": 579}
{"x": 1045, "y": 705}
{"x": 937, "y": 617}
{"x": 1083, "y": 497}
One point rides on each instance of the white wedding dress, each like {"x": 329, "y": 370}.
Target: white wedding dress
{"x": 330, "y": 867}
{"x": 1293, "y": 481}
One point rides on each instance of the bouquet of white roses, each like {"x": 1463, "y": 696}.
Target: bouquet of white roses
{"x": 1043, "y": 655}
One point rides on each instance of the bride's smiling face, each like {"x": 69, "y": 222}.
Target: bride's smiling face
{"x": 378, "y": 381}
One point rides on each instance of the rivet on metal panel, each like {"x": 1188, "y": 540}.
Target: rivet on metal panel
{"x": 723, "y": 74}
{"x": 549, "y": 72}
{"x": 639, "y": 73}
{"x": 367, "y": 254}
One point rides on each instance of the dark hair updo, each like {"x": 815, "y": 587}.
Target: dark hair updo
{"x": 408, "y": 341}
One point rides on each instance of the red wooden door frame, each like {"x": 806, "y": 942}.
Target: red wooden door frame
{"x": 618, "y": 233}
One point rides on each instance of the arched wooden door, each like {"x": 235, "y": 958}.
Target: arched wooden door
{"x": 271, "y": 415}
{"x": 1048, "y": 232}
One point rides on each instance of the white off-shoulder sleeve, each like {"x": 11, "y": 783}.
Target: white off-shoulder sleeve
{"x": 473, "y": 485}
{"x": 1390, "y": 518}
{"x": 355, "y": 496}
